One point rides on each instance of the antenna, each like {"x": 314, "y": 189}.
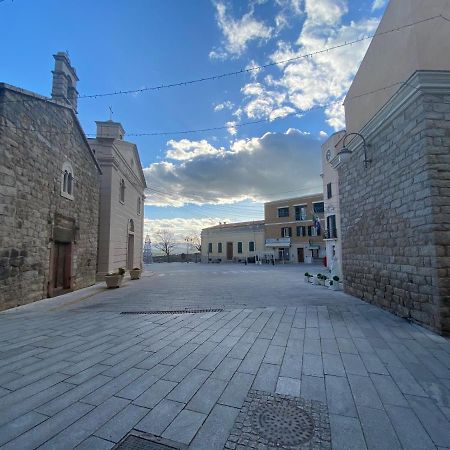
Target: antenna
{"x": 110, "y": 113}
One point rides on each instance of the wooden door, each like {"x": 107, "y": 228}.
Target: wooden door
{"x": 62, "y": 259}
{"x": 301, "y": 254}
{"x": 229, "y": 251}
{"x": 130, "y": 258}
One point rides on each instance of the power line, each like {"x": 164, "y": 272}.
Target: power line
{"x": 261, "y": 67}
{"x": 223, "y": 127}
{"x": 248, "y": 69}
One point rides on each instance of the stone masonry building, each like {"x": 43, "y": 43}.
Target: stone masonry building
{"x": 49, "y": 193}
{"x": 121, "y": 227}
{"x": 395, "y": 212}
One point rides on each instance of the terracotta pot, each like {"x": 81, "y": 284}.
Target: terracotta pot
{"x": 135, "y": 274}
{"x": 113, "y": 281}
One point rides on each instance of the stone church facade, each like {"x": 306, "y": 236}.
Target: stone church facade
{"x": 49, "y": 193}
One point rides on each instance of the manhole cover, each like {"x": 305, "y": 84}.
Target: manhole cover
{"x": 268, "y": 420}
{"x": 143, "y": 441}
{"x": 283, "y": 423}
{"x": 175, "y": 311}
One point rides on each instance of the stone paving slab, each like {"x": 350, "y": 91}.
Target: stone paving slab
{"x": 74, "y": 373}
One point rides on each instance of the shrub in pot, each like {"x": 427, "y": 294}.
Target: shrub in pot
{"x": 113, "y": 279}
{"x": 135, "y": 273}
{"x": 336, "y": 285}
{"x": 307, "y": 276}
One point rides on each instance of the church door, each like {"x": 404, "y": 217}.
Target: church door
{"x": 62, "y": 258}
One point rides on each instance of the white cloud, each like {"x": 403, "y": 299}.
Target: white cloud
{"x": 181, "y": 227}
{"x": 378, "y": 4}
{"x": 224, "y": 105}
{"x": 238, "y": 33}
{"x": 323, "y": 134}
{"x": 185, "y": 149}
{"x": 316, "y": 81}
{"x": 257, "y": 169}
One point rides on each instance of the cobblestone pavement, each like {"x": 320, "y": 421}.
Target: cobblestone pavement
{"x": 75, "y": 373}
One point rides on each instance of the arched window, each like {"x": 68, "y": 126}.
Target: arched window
{"x": 139, "y": 205}
{"x": 67, "y": 181}
{"x": 122, "y": 191}
{"x": 131, "y": 226}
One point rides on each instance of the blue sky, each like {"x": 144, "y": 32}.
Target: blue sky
{"x": 205, "y": 177}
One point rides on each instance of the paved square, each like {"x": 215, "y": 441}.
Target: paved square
{"x": 75, "y": 373}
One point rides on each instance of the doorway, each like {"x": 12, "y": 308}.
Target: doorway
{"x": 229, "y": 251}
{"x": 130, "y": 255}
{"x": 301, "y": 255}
{"x": 61, "y": 268}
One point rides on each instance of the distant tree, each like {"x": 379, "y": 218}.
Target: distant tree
{"x": 196, "y": 242}
{"x": 165, "y": 241}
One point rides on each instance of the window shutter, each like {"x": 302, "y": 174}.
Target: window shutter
{"x": 290, "y": 231}
{"x": 309, "y": 231}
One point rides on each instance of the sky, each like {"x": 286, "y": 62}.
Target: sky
{"x": 197, "y": 179}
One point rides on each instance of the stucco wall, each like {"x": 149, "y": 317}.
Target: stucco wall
{"x": 394, "y": 57}
{"x": 30, "y": 185}
{"x": 396, "y": 213}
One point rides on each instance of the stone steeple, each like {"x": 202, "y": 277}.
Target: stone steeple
{"x": 64, "y": 87}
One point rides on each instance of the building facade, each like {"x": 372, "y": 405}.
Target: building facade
{"x": 121, "y": 221}
{"x": 49, "y": 193}
{"x": 233, "y": 242}
{"x": 332, "y": 214}
{"x": 294, "y": 230}
{"x": 395, "y": 209}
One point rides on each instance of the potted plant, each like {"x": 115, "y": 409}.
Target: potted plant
{"x": 336, "y": 286}
{"x": 317, "y": 279}
{"x": 121, "y": 272}
{"x": 307, "y": 276}
{"x": 113, "y": 279}
{"x": 135, "y": 273}
{"x": 328, "y": 282}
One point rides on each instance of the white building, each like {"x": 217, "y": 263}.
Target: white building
{"x": 233, "y": 242}
{"x": 121, "y": 227}
{"x": 332, "y": 234}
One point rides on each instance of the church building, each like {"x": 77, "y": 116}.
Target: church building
{"x": 49, "y": 192}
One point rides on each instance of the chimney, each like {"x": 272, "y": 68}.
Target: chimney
{"x": 65, "y": 80}
{"x": 110, "y": 130}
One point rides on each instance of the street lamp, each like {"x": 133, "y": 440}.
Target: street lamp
{"x": 345, "y": 153}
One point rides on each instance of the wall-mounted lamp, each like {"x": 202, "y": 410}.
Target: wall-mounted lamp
{"x": 345, "y": 153}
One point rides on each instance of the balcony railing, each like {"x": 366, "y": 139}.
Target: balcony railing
{"x": 331, "y": 234}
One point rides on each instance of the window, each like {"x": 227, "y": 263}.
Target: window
{"x": 122, "y": 191}
{"x": 301, "y": 231}
{"x": 312, "y": 231}
{"x": 67, "y": 181}
{"x": 331, "y": 227}
{"x": 318, "y": 207}
{"x": 139, "y": 206}
{"x": 251, "y": 246}
{"x": 283, "y": 212}
{"x": 329, "y": 192}
{"x": 300, "y": 212}
{"x": 219, "y": 247}
{"x": 131, "y": 226}
{"x": 239, "y": 247}
{"x": 210, "y": 247}
{"x": 286, "y": 232}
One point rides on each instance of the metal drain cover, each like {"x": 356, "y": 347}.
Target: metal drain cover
{"x": 136, "y": 440}
{"x": 269, "y": 420}
{"x": 174, "y": 311}
{"x": 283, "y": 423}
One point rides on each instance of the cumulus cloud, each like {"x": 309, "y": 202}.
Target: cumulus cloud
{"x": 224, "y": 105}
{"x": 238, "y": 33}
{"x": 378, "y": 4}
{"x": 316, "y": 81}
{"x": 185, "y": 149}
{"x": 256, "y": 169}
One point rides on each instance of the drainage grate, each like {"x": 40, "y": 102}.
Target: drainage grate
{"x": 175, "y": 311}
{"x": 143, "y": 441}
{"x": 281, "y": 421}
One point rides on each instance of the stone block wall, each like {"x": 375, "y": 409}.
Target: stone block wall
{"x": 395, "y": 215}
{"x": 30, "y": 185}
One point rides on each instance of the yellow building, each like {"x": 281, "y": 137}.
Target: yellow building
{"x": 294, "y": 229}
{"x": 233, "y": 242}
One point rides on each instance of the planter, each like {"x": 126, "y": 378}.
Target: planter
{"x": 135, "y": 274}
{"x": 329, "y": 283}
{"x": 316, "y": 281}
{"x": 113, "y": 281}
{"x": 307, "y": 279}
